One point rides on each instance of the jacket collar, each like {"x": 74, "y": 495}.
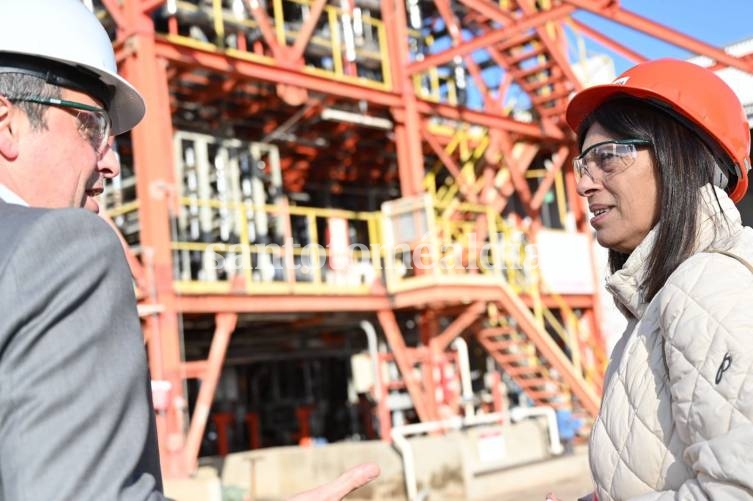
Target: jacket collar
{"x": 713, "y": 233}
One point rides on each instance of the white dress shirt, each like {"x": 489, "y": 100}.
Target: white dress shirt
{"x": 10, "y": 197}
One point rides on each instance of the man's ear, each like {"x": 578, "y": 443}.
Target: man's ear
{"x": 8, "y": 132}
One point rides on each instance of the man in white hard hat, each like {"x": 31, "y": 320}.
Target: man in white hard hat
{"x": 75, "y": 414}
{"x": 76, "y": 421}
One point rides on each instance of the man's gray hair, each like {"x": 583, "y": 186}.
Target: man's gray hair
{"x": 18, "y": 85}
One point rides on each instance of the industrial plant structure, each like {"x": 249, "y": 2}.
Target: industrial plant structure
{"x": 347, "y": 215}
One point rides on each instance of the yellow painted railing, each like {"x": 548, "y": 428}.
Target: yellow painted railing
{"x": 433, "y": 86}
{"x": 290, "y": 254}
{"x": 303, "y": 254}
{"x": 361, "y": 58}
{"x": 122, "y": 210}
{"x": 461, "y": 242}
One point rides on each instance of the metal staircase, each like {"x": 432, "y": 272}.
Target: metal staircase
{"x": 527, "y": 352}
{"x": 517, "y": 358}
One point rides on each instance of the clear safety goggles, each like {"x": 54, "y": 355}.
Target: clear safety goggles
{"x": 603, "y": 160}
{"x": 94, "y": 122}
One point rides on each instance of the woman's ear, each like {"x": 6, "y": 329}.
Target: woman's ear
{"x": 8, "y": 136}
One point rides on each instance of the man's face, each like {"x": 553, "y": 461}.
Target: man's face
{"x": 58, "y": 167}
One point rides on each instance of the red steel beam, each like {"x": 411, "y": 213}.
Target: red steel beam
{"x": 307, "y": 29}
{"x": 405, "y": 364}
{"x": 489, "y": 39}
{"x": 153, "y": 164}
{"x": 269, "y": 72}
{"x": 450, "y": 164}
{"x": 520, "y": 40}
{"x": 281, "y": 303}
{"x": 194, "y": 369}
{"x": 748, "y": 58}
{"x": 428, "y": 367}
{"x": 456, "y": 328}
{"x": 224, "y": 326}
{"x": 553, "y": 50}
{"x": 408, "y": 130}
{"x": 491, "y": 11}
{"x": 549, "y": 350}
{"x": 607, "y": 42}
{"x": 273, "y": 74}
{"x": 446, "y": 294}
{"x": 517, "y": 172}
{"x": 656, "y": 30}
{"x": 425, "y": 295}
{"x": 116, "y": 12}
{"x": 529, "y": 153}
{"x": 453, "y": 26}
{"x": 266, "y": 29}
{"x": 147, "y": 6}
{"x": 492, "y": 121}
{"x": 428, "y": 326}
{"x": 504, "y": 87}
{"x": 546, "y": 183}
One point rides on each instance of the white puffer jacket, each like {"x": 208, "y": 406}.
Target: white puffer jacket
{"x": 676, "y": 419}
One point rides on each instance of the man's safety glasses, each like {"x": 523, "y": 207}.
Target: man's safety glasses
{"x": 94, "y": 122}
{"x": 602, "y": 160}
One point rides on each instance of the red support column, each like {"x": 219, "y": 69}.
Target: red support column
{"x": 254, "y": 432}
{"x": 429, "y": 371}
{"x": 408, "y": 120}
{"x": 153, "y": 164}
{"x": 303, "y": 415}
{"x": 383, "y": 408}
{"x": 405, "y": 362}
{"x": 225, "y": 325}
{"x": 222, "y": 421}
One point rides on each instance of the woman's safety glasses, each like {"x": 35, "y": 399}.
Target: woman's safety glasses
{"x": 603, "y": 160}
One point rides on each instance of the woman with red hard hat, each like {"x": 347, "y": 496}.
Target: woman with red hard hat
{"x": 664, "y": 155}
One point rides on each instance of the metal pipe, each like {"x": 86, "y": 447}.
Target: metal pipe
{"x": 371, "y": 336}
{"x": 399, "y": 434}
{"x": 520, "y": 413}
{"x": 461, "y": 347}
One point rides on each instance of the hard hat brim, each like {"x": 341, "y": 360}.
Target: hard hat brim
{"x": 586, "y": 101}
{"x": 126, "y": 108}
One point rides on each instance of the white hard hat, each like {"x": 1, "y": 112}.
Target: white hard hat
{"x": 62, "y": 41}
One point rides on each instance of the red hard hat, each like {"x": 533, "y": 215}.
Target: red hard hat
{"x": 692, "y": 92}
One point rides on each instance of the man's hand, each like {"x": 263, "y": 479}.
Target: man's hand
{"x": 346, "y": 483}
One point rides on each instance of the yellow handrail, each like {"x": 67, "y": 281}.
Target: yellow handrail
{"x": 222, "y": 20}
{"x": 123, "y": 209}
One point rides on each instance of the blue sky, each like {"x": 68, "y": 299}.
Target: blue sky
{"x": 727, "y": 22}
{"x": 717, "y": 22}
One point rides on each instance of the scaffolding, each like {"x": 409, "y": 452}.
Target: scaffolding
{"x": 309, "y": 170}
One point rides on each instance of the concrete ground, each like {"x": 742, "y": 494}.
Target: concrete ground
{"x": 566, "y": 490}
{"x": 568, "y": 477}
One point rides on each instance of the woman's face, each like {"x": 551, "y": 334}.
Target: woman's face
{"x": 624, "y": 205}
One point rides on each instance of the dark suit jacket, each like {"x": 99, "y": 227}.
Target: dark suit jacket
{"x": 76, "y": 421}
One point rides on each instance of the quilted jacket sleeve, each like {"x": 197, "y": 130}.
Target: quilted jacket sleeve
{"x": 707, "y": 323}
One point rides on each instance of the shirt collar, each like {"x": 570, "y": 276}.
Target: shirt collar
{"x": 10, "y": 197}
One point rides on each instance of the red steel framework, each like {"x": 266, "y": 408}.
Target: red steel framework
{"x": 525, "y": 40}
